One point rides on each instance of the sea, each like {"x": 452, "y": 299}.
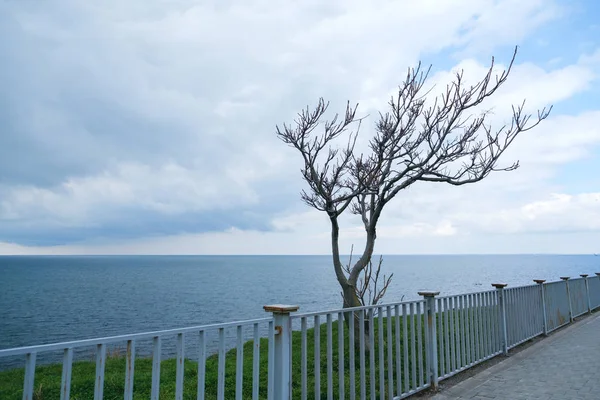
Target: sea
{"x": 50, "y": 299}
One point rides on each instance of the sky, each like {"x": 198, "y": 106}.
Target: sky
{"x": 148, "y": 126}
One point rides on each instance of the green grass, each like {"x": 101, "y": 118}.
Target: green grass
{"x": 48, "y": 377}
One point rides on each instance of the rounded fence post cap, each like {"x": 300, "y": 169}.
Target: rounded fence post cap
{"x": 539, "y": 281}
{"x": 584, "y": 275}
{"x": 281, "y": 308}
{"x": 598, "y": 273}
{"x": 565, "y": 278}
{"x": 499, "y": 285}
{"x": 428, "y": 293}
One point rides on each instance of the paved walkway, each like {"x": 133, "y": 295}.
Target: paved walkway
{"x": 566, "y": 365}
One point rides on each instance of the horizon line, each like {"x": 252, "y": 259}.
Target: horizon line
{"x": 294, "y": 255}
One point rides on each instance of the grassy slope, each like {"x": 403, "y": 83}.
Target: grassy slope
{"x": 48, "y": 377}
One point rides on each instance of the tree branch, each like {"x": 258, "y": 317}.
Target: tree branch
{"x": 443, "y": 140}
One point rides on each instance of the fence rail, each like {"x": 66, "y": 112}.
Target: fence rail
{"x": 386, "y": 351}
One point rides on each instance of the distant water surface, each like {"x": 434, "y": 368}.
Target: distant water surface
{"x": 52, "y": 299}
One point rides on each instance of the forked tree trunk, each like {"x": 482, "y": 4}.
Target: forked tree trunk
{"x": 348, "y": 284}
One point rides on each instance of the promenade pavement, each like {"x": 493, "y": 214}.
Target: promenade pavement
{"x": 565, "y": 365}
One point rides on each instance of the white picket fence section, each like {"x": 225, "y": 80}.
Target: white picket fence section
{"x": 388, "y": 351}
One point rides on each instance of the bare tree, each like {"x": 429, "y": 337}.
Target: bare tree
{"x": 444, "y": 140}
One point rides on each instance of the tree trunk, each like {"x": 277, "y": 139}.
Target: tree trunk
{"x": 349, "y": 285}
{"x": 363, "y": 261}
{"x": 350, "y": 297}
{"x": 351, "y": 300}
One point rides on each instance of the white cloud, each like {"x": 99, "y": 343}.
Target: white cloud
{"x": 15, "y": 249}
{"x": 168, "y": 189}
{"x": 170, "y": 107}
{"x": 419, "y": 229}
{"x": 558, "y": 213}
{"x": 592, "y": 59}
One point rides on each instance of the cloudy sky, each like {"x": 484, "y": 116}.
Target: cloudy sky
{"x": 148, "y": 126}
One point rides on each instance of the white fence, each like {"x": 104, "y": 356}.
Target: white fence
{"x": 386, "y": 351}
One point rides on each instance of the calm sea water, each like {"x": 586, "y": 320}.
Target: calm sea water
{"x": 52, "y": 299}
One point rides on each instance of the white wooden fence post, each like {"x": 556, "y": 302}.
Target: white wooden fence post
{"x": 502, "y": 305}
{"x": 566, "y": 279}
{"x": 430, "y": 325}
{"x": 587, "y": 292}
{"x": 282, "y": 363}
{"x": 540, "y": 282}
